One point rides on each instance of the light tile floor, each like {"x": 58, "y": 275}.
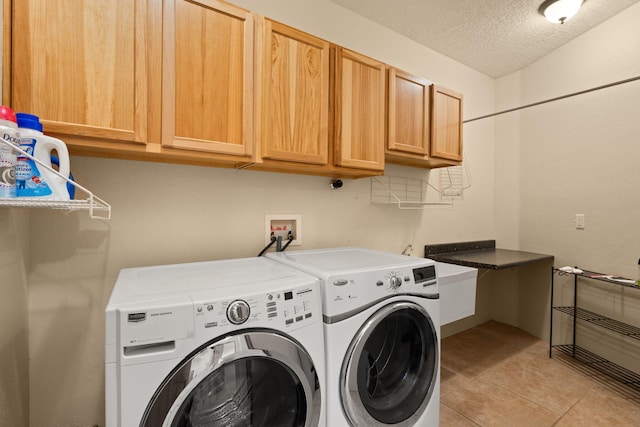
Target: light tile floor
{"x": 498, "y": 375}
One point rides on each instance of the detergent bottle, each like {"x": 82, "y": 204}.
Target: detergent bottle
{"x": 8, "y": 132}
{"x": 32, "y": 179}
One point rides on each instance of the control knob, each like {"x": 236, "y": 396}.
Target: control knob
{"x": 238, "y": 312}
{"x": 395, "y": 282}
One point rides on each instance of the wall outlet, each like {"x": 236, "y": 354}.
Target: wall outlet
{"x": 579, "y": 221}
{"x": 281, "y": 225}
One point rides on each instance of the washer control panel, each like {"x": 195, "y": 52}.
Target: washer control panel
{"x": 284, "y": 309}
{"x": 356, "y": 289}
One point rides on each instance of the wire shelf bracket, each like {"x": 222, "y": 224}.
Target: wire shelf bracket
{"x": 453, "y": 180}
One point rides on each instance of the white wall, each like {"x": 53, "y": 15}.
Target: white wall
{"x": 170, "y": 213}
{"x": 14, "y": 354}
{"x": 580, "y": 156}
{"x": 531, "y": 174}
{"x": 14, "y": 351}
{"x": 532, "y": 171}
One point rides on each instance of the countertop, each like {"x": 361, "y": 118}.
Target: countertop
{"x": 482, "y": 254}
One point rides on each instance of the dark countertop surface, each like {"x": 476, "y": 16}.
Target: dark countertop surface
{"x": 482, "y": 254}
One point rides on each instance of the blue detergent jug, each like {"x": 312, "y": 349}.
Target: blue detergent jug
{"x": 32, "y": 179}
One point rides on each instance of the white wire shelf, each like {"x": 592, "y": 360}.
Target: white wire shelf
{"x": 406, "y": 193}
{"x": 97, "y": 208}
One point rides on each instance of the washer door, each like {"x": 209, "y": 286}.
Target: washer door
{"x": 250, "y": 379}
{"x": 391, "y": 367}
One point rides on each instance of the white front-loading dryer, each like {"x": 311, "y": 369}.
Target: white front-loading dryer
{"x": 381, "y": 316}
{"x": 220, "y": 343}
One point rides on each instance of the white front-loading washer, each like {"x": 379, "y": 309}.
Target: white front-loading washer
{"x": 219, "y": 343}
{"x": 381, "y": 316}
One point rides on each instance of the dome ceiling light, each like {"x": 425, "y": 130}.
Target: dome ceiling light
{"x": 558, "y": 11}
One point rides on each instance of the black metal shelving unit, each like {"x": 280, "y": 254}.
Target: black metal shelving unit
{"x": 625, "y": 376}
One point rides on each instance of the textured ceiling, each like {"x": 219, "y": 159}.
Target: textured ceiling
{"x": 495, "y": 37}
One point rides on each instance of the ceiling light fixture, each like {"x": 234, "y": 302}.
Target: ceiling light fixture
{"x": 558, "y": 11}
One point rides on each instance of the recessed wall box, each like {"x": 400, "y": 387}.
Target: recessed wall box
{"x": 281, "y": 225}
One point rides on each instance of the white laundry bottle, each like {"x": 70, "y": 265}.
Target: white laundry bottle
{"x": 9, "y": 133}
{"x": 32, "y": 179}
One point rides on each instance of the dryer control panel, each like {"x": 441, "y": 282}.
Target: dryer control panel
{"x": 287, "y": 308}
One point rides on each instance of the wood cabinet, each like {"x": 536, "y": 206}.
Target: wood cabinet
{"x": 209, "y": 83}
{"x": 424, "y": 122}
{"x": 292, "y": 102}
{"x": 446, "y": 124}
{"x": 207, "y": 86}
{"x": 161, "y": 80}
{"x": 408, "y": 113}
{"x": 359, "y": 111}
{"x": 81, "y": 66}
{"x": 319, "y": 108}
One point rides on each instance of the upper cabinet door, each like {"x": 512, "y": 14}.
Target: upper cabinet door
{"x": 360, "y": 105}
{"x": 207, "y": 88}
{"x": 408, "y": 106}
{"x": 293, "y": 95}
{"x": 446, "y": 126}
{"x": 81, "y": 66}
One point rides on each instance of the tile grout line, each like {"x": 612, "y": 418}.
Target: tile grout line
{"x": 479, "y": 378}
{"x": 593, "y": 384}
{"x": 461, "y": 414}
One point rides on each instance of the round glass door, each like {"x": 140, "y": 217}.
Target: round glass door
{"x": 253, "y": 379}
{"x": 390, "y": 370}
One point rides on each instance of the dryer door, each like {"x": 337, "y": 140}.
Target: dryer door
{"x": 390, "y": 370}
{"x": 254, "y": 378}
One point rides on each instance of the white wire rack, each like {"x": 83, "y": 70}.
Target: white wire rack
{"x": 406, "y": 193}
{"x": 453, "y": 180}
{"x": 98, "y": 208}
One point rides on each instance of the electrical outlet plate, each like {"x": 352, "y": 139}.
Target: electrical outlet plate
{"x": 280, "y": 225}
{"x": 579, "y": 221}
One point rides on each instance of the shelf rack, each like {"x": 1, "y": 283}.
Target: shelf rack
{"x": 598, "y": 363}
{"x": 602, "y": 365}
{"x": 406, "y": 193}
{"x": 602, "y": 321}
{"x": 97, "y": 208}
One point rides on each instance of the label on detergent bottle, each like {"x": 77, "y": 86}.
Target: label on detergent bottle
{"x": 29, "y": 182}
{"x": 10, "y": 136}
{"x": 7, "y": 166}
